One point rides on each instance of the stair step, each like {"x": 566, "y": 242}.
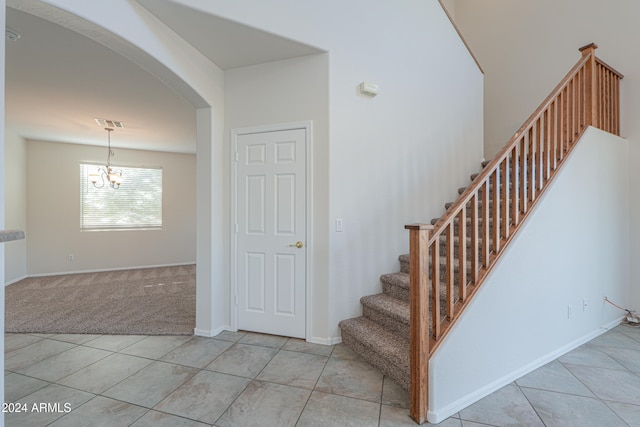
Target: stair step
{"x": 448, "y": 205}
{"x": 396, "y": 285}
{"x": 390, "y": 312}
{"x": 395, "y": 279}
{"x": 456, "y": 221}
{"x": 378, "y": 346}
{"x": 456, "y": 246}
{"x": 462, "y": 189}
{"x": 404, "y": 263}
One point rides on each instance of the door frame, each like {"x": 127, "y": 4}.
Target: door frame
{"x": 233, "y": 219}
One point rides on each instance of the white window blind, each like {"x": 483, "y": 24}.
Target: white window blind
{"x": 137, "y": 204}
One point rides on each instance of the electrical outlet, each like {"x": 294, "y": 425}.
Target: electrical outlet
{"x": 569, "y": 311}
{"x": 71, "y": 257}
{"x": 339, "y": 227}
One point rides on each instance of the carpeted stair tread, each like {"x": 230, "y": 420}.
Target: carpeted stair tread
{"x": 456, "y": 221}
{"x": 404, "y": 258}
{"x": 396, "y": 284}
{"x": 398, "y": 279}
{"x": 392, "y": 307}
{"x": 383, "y": 349}
{"x": 391, "y": 313}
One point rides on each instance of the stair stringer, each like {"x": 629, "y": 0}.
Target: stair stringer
{"x": 571, "y": 247}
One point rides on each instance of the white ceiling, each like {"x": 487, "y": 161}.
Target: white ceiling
{"x": 228, "y": 44}
{"x": 58, "y": 81}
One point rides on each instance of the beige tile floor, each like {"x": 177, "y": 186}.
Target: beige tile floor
{"x": 247, "y": 379}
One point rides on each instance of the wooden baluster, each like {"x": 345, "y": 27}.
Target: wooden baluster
{"x": 617, "y": 109}
{"x": 577, "y": 90}
{"x": 435, "y": 288}
{"x": 546, "y": 146}
{"x": 614, "y": 108}
{"x": 419, "y": 320}
{"x": 462, "y": 254}
{"x": 553, "y": 136}
{"x": 485, "y": 224}
{"x": 474, "y": 238}
{"x": 574, "y": 109}
{"x": 599, "y": 96}
{"x": 609, "y": 102}
{"x": 605, "y": 91}
{"x": 539, "y": 159}
{"x": 450, "y": 274}
{"x": 504, "y": 174}
{"x": 531, "y": 179}
{"x": 565, "y": 120}
{"x": 561, "y": 125}
{"x": 515, "y": 191}
{"x": 581, "y": 95}
{"x": 522, "y": 185}
{"x": 495, "y": 184}
{"x": 569, "y": 139}
{"x": 570, "y": 109}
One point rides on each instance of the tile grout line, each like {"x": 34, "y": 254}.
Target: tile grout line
{"x": 250, "y": 382}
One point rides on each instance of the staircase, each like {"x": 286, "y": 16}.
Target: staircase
{"x": 450, "y": 259}
{"x": 381, "y": 334}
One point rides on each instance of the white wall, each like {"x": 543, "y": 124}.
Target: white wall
{"x": 15, "y": 256}
{"x": 393, "y": 159}
{"x": 518, "y": 320}
{"x": 288, "y": 91}
{"x": 53, "y": 218}
{"x": 526, "y": 47}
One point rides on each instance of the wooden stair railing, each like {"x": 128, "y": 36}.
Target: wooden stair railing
{"x": 495, "y": 205}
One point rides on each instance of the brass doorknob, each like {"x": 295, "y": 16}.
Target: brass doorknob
{"x": 297, "y": 244}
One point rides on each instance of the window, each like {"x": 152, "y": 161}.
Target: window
{"x": 137, "y": 204}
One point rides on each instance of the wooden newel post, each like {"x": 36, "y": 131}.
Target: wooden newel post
{"x": 591, "y": 85}
{"x": 419, "y": 320}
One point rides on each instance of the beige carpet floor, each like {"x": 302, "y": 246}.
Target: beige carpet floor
{"x": 149, "y": 301}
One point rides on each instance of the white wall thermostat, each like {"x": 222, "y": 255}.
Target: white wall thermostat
{"x": 369, "y": 88}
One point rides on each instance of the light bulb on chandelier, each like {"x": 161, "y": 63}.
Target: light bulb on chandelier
{"x": 106, "y": 174}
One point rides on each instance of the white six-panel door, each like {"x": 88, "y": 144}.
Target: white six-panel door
{"x": 270, "y": 233}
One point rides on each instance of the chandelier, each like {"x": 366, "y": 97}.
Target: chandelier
{"x": 106, "y": 174}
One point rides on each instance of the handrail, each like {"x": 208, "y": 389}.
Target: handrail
{"x": 455, "y": 255}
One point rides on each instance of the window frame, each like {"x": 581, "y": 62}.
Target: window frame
{"x": 85, "y": 186}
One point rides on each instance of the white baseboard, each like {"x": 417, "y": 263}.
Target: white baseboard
{"x": 325, "y": 341}
{"x": 15, "y": 280}
{"x": 211, "y": 332}
{"x": 109, "y": 269}
{"x": 442, "y": 414}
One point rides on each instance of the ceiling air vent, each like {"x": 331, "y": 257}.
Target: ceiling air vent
{"x": 106, "y": 123}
